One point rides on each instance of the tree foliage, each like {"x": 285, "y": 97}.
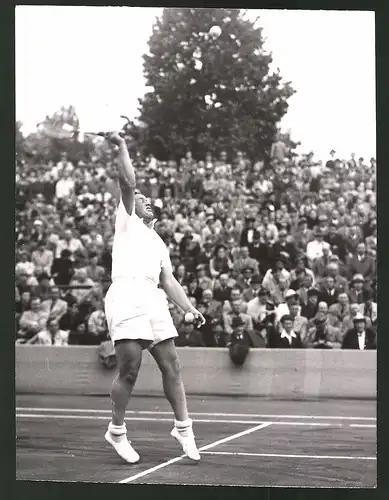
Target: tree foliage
{"x": 209, "y": 94}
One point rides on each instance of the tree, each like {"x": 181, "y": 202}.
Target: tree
{"x": 209, "y": 93}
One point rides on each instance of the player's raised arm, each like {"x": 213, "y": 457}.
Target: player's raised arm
{"x": 127, "y": 179}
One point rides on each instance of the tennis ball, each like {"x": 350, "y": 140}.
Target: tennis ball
{"x": 215, "y": 31}
{"x": 189, "y": 317}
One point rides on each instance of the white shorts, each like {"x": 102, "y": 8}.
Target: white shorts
{"x": 134, "y": 313}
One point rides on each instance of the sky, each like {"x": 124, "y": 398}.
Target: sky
{"x": 91, "y": 57}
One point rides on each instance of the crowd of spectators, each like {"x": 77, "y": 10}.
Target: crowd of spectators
{"x": 285, "y": 251}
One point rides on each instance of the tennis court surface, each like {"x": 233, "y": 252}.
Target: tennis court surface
{"x": 243, "y": 441}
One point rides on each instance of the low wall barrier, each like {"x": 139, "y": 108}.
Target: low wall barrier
{"x": 283, "y": 373}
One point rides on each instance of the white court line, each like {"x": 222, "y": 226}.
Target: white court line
{"x": 203, "y": 448}
{"x": 199, "y": 414}
{"x": 151, "y": 419}
{"x": 363, "y": 425}
{"x": 275, "y": 455}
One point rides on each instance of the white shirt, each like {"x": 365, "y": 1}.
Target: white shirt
{"x": 64, "y": 188}
{"x": 361, "y": 340}
{"x": 73, "y": 245}
{"x": 138, "y": 251}
{"x": 285, "y": 335}
{"x": 315, "y": 249}
{"x": 60, "y": 338}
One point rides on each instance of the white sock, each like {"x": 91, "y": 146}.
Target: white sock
{"x": 117, "y": 430}
{"x": 183, "y": 427}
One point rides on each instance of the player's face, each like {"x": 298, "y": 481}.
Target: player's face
{"x": 143, "y": 208}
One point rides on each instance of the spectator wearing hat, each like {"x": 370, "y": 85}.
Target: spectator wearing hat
{"x": 328, "y": 292}
{"x": 285, "y": 338}
{"x": 254, "y": 283}
{"x": 309, "y": 311}
{"x": 315, "y": 248}
{"x": 234, "y": 315}
{"x": 348, "y": 322}
{"x": 357, "y": 290}
{"x": 42, "y": 258}
{"x": 321, "y": 335}
{"x": 361, "y": 263}
{"x": 244, "y": 261}
{"x": 290, "y": 298}
{"x": 249, "y": 232}
{"x": 359, "y": 336}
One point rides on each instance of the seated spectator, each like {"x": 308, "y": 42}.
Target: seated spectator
{"x": 361, "y": 264}
{"x": 303, "y": 235}
{"x": 235, "y": 312}
{"x": 244, "y": 261}
{"x": 236, "y": 295}
{"x": 357, "y": 292}
{"x": 328, "y": 292}
{"x": 181, "y": 275}
{"x": 43, "y": 290}
{"x": 23, "y": 304}
{"x": 222, "y": 290}
{"x": 274, "y": 275}
{"x": 321, "y": 335}
{"x": 298, "y": 273}
{"x": 320, "y": 264}
{"x": 54, "y": 306}
{"x": 51, "y": 335}
{"x": 315, "y": 248}
{"x": 72, "y": 318}
{"x": 286, "y": 248}
{"x": 339, "y": 310}
{"x": 341, "y": 283}
{"x": 220, "y": 263}
{"x": 369, "y": 309}
{"x": 70, "y": 243}
{"x": 83, "y": 286}
{"x": 254, "y": 284}
{"x": 348, "y": 322}
{"x": 261, "y": 253}
{"x": 300, "y": 323}
{"x": 283, "y": 308}
{"x": 204, "y": 281}
{"x": 309, "y": 311}
{"x": 24, "y": 266}
{"x": 93, "y": 270}
{"x": 33, "y": 320}
{"x": 249, "y": 232}
{"x": 279, "y": 292}
{"x": 285, "y": 337}
{"x": 243, "y": 280}
{"x": 258, "y": 308}
{"x": 302, "y": 291}
{"x": 62, "y": 270}
{"x": 97, "y": 330}
{"x": 194, "y": 289}
{"x": 359, "y": 336}
{"x": 42, "y": 258}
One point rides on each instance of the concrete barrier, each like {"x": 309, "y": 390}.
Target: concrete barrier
{"x": 283, "y": 373}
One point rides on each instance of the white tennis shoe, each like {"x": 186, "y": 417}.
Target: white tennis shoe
{"x": 188, "y": 443}
{"x": 122, "y": 447}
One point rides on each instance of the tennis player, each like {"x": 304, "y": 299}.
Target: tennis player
{"x": 137, "y": 311}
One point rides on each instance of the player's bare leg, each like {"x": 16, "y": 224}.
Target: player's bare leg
{"x": 129, "y": 358}
{"x": 165, "y": 355}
